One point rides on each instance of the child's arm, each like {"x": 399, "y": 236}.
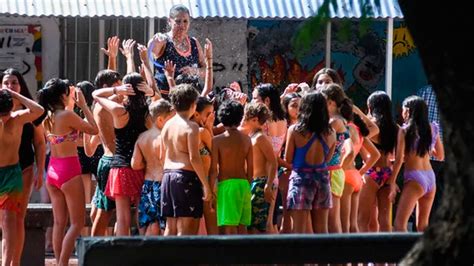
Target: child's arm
{"x": 120, "y": 115}
{"x": 290, "y": 146}
{"x": 196, "y": 161}
{"x": 249, "y": 160}
{"x": 331, "y": 141}
{"x": 369, "y": 154}
{"x": 138, "y": 160}
{"x": 399, "y": 157}
{"x": 145, "y": 68}
{"x": 373, "y": 128}
{"x": 1, "y": 128}
{"x": 266, "y": 148}
{"x": 170, "y": 68}
{"x": 209, "y": 73}
{"x": 438, "y": 151}
{"x": 90, "y": 144}
{"x": 213, "y": 170}
{"x": 31, "y": 112}
{"x": 127, "y": 51}
{"x": 112, "y": 51}
{"x": 39, "y": 144}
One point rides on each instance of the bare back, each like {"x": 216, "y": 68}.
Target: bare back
{"x": 149, "y": 143}
{"x": 233, "y": 148}
{"x": 10, "y": 142}
{"x": 260, "y": 158}
{"x": 175, "y": 139}
{"x": 105, "y": 123}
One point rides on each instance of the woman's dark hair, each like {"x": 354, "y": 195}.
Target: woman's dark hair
{"x": 266, "y": 90}
{"x": 335, "y": 93}
{"x": 363, "y": 129}
{"x": 6, "y": 102}
{"x": 313, "y": 116}
{"x": 50, "y": 97}
{"x": 202, "y": 103}
{"x": 136, "y": 105}
{"x": 380, "y": 107}
{"x": 286, "y": 101}
{"x": 176, "y": 9}
{"x": 328, "y": 71}
{"x": 87, "y": 89}
{"x": 23, "y": 86}
{"x": 230, "y": 113}
{"x": 418, "y": 127}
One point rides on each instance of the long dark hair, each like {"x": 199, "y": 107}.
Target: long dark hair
{"x": 335, "y": 93}
{"x": 23, "y": 86}
{"x": 313, "y": 116}
{"x": 50, "y": 97}
{"x": 418, "y": 126}
{"x": 136, "y": 106}
{"x": 328, "y": 71}
{"x": 286, "y": 101}
{"x": 380, "y": 107}
{"x": 363, "y": 129}
{"x": 266, "y": 90}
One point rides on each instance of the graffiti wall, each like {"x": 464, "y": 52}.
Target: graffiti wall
{"x": 229, "y": 39}
{"x": 20, "y": 47}
{"x": 272, "y": 58}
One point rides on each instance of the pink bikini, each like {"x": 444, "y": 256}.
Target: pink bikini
{"x": 61, "y": 170}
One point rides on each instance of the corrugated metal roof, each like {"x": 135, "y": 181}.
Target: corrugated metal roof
{"x": 293, "y": 9}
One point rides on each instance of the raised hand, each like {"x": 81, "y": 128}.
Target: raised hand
{"x": 113, "y": 44}
{"x": 208, "y": 49}
{"x": 125, "y": 89}
{"x": 127, "y": 48}
{"x": 169, "y": 68}
{"x": 143, "y": 87}
{"x": 143, "y": 53}
{"x": 79, "y": 99}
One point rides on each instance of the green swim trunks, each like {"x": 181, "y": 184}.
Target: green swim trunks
{"x": 11, "y": 186}
{"x": 233, "y": 202}
{"x": 100, "y": 200}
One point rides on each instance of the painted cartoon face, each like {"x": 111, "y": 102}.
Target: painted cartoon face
{"x": 369, "y": 71}
{"x": 323, "y": 79}
{"x": 10, "y": 82}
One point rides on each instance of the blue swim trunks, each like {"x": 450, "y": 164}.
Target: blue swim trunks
{"x": 149, "y": 209}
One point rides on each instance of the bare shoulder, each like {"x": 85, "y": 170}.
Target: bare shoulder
{"x": 338, "y": 124}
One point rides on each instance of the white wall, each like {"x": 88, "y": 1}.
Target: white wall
{"x": 50, "y": 44}
{"x": 229, "y": 39}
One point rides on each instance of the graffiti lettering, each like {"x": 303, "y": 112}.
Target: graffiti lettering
{"x": 220, "y": 67}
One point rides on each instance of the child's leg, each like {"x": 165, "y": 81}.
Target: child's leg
{"x": 300, "y": 220}
{"x": 411, "y": 192}
{"x": 242, "y": 230}
{"x": 123, "y": 215}
{"x": 101, "y": 222}
{"x": 367, "y": 195}
{"x": 60, "y": 216}
{"x": 74, "y": 194}
{"x": 9, "y": 238}
{"x": 152, "y": 229}
{"x": 384, "y": 207}
{"x": 320, "y": 221}
{"x": 283, "y": 186}
{"x": 354, "y": 228}
{"x": 186, "y": 226}
{"x": 210, "y": 219}
{"x": 271, "y": 209}
{"x": 231, "y": 230}
{"x": 171, "y": 226}
{"x": 335, "y": 215}
{"x": 346, "y": 208}
{"x": 424, "y": 205}
{"x": 87, "y": 184}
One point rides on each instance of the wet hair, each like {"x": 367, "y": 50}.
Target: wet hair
{"x": 202, "y": 103}
{"x": 286, "y": 101}
{"x": 159, "y": 108}
{"x": 50, "y": 96}
{"x": 328, "y": 71}
{"x": 189, "y": 79}
{"x": 335, "y": 93}
{"x": 418, "y": 127}
{"x": 23, "y": 86}
{"x": 106, "y": 78}
{"x": 6, "y": 102}
{"x": 266, "y": 90}
{"x": 136, "y": 106}
{"x": 230, "y": 113}
{"x": 313, "y": 116}
{"x": 176, "y": 9}
{"x": 380, "y": 107}
{"x": 87, "y": 88}
{"x": 183, "y": 96}
{"x": 258, "y": 110}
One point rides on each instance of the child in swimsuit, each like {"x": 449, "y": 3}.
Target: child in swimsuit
{"x": 64, "y": 181}
{"x": 204, "y": 117}
{"x": 418, "y": 140}
{"x": 11, "y": 180}
{"x": 232, "y": 166}
{"x": 264, "y": 166}
{"x": 339, "y": 108}
{"x": 147, "y": 156}
{"x": 375, "y": 190}
{"x": 309, "y": 146}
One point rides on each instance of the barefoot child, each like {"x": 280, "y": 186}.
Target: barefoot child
{"x": 264, "y": 166}
{"x": 184, "y": 185}
{"x": 147, "y": 156}
{"x": 232, "y": 152}
{"x": 11, "y": 180}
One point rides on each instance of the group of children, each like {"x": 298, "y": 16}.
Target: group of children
{"x": 216, "y": 155}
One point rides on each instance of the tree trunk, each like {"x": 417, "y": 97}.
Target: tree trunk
{"x": 447, "y": 55}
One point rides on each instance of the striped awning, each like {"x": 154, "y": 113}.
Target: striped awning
{"x": 249, "y": 9}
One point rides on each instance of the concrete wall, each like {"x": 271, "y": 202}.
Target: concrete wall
{"x": 50, "y": 44}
